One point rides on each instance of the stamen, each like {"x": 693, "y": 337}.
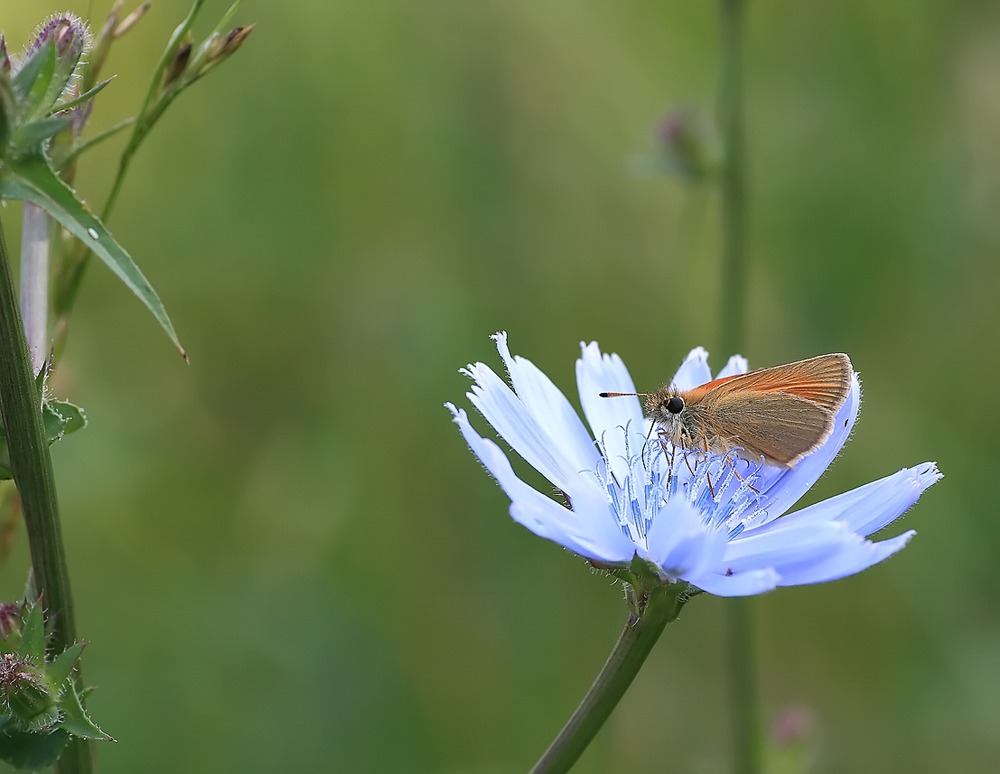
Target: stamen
{"x": 727, "y": 499}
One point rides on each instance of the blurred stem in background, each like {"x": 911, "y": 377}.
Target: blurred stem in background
{"x": 739, "y": 613}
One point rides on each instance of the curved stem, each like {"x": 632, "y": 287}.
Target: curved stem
{"x": 739, "y": 613}
{"x": 21, "y": 408}
{"x": 641, "y": 632}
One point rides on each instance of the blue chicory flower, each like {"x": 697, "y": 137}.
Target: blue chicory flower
{"x": 691, "y": 518}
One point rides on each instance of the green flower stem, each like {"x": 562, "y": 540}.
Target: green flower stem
{"x": 739, "y": 642}
{"x": 642, "y": 630}
{"x": 21, "y": 408}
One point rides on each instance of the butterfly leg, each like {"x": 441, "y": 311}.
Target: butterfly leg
{"x": 708, "y": 473}
{"x": 668, "y": 455}
{"x": 732, "y": 464}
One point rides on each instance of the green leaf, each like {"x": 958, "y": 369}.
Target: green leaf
{"x": 32, "y": 751}
{"x": 31, "y": 179}
{"x": 75, "y": 719}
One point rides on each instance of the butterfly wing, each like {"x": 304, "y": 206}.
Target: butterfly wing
{"x": 781, "y": 413}
{"x": 780, "y": 427}
{"x": 824, "y": 380}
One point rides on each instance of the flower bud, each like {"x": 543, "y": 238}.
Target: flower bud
{"x": 177, "y": 65}
{"x": 10, "y": 620}
{"x": 685, "y": 144}
{"x": 27, "y": 696}
{"x": 46, "y": 71}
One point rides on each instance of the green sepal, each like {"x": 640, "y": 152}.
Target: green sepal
{"x": 8, "y": 108}
{"x": 32, "y": 751}
{"x": 643, "y": 572}
{"x": 75, "y": 719}
{"x": 32, "y": 81}
{"x": 61, "y": 667}
{"x": 31, "y": 179}
{"x": 31, "y": 643}
{"x": 59, "y": 418}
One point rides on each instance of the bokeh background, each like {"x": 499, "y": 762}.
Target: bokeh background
{"x": 283, "y": 555}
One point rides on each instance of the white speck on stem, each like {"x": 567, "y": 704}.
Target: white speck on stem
{"x": 92, "y": 232}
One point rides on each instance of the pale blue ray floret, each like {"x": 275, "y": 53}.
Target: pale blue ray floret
{"x": 707, "y": 519}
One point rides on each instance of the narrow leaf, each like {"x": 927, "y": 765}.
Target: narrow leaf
{"x": 87, "y": 95}
{"x": 31, "y": 179}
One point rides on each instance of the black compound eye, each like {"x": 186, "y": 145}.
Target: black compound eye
{"x": 675, "y": 405}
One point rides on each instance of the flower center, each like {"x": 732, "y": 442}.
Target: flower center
{"x": 642, "y": 474}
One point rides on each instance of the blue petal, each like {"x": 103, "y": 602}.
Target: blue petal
{"x": 549, "y": 407}
{"x": 783, "y": 487}
{"x": 737, "y": 364}
{"x": 597, "y": 373}
{"x": 740, "y": 584}
{"x": 693, "y": 371}
{"x": 589, "y": 529}
{"x": 680, "y": 543}
{"x": 871, "y": 507}
{"x": 511, "y": 419}
{"x": 853, "y": 557}
{"x": 791, "y": 545}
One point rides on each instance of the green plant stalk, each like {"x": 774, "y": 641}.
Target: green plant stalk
{"x": 21, "y": 409}
{"x": 739, "y": 612}
{"x": 637, "y": 639}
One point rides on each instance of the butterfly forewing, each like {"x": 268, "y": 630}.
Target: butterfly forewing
{"x": 823, "y": 380}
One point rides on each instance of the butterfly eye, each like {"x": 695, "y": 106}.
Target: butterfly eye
{"x": 675, "y": 405}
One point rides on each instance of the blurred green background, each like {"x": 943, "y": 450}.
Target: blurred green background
{"x": 283, "y": 555}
